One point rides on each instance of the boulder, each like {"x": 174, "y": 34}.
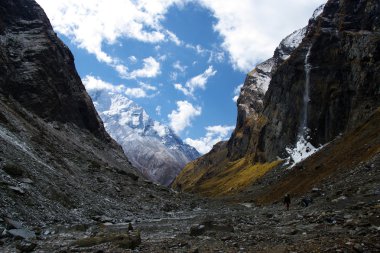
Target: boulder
{"x": 12, "y": 223}
{"x": 197, "y": 230}
{"x": 26, "y": 180}
{"x": 26, "y": 246}
{"x": 17, "y": 189}
{"x": 22, "y": 233}
{"x": 13, "y": 170}
{"x": 102, "y": 218}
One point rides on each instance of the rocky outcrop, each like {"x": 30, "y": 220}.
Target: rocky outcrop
{"x": 37, "y": 69}
{"x": 250, "y": 107}
{"x": 250, "y": 103}
{"x": 324, "y": 86}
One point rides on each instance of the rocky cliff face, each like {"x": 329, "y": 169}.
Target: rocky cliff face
{"x": 153, "y": 148}
{"x": 37, "y": 69}
{"x": 251, "y": 100}
{"x": 57, "y": 163}
{"x": 324, "y": 85}
{"x": 339, "y": 62}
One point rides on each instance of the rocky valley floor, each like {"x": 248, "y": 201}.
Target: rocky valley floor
{"x": 343, "y": 217}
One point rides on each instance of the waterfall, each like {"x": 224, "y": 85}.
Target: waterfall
{"x": 303, "y": 148}
{"x": 306, "y": 97}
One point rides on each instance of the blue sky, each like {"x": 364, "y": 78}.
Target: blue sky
{"x": 181, "y": 60}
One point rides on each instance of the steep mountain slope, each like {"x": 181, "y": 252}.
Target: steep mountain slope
{"x": 360, "y": 145}
{"x": 331, "y": 81}
{"x": 57, "y": 163}
{"x": 31, "y": 56}
{"x": 328, "y": 85}
{"x": 153, "y": 148}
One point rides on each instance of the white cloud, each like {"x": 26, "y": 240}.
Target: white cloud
{"x": 181, "y": 117}
{"x": 121, "y": 69}
{"x": 160, "y": 129}
{"x": 173, "y": 38}
{"x": 162, "y": 57}
{"x": 216, "y": 56}
{"x": 173, "y": 76}
{"x": 214, "y": 134}
{"x": 135, "y": 92}
{"x": 237, "y": 93}
{"x": 95, "y": 83}
{"x": 92, "y": 23}
{"x": 185, "y": 91}
{"x": 197, "y": 82}
{"x": 197, "y": 48}
{"x": 146, "y": 86}
{"x": 132, "y": 59}
{"x": 178, "y": 66}
{"x": 158, "y": 110}
{"x": 251, "y": 30}
{"x": 151, "y": 68}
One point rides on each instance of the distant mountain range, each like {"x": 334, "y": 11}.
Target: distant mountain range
{"x": 152, "y": 147}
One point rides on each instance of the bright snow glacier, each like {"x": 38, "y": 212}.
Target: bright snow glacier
{"x": 152, "y": 147}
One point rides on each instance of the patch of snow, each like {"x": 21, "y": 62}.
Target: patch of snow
{"x": 294, "y": 39}
{"x": 118, "y": 103}
{"x": 266, "y": 66}
{"x": 302, "y": 150}
{"x": 136, "y": 119}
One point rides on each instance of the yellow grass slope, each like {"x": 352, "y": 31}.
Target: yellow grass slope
{"x": 221, "y": 178}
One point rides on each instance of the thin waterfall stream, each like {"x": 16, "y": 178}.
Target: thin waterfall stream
{"x": 303, "y": 131}
{"x": 303, "y": 148}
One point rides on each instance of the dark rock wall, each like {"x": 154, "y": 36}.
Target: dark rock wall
{"x": 250, "y": 105}
{"x": 344, "y": 79}
{"x": 37, "y": 69}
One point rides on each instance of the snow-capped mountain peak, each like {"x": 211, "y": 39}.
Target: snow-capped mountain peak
{"x": 152, "y": 147}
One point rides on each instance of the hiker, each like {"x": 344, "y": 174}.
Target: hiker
{"x": 287, "y": 201}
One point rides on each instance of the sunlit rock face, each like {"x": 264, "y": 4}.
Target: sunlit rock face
{"x": 322, "y": 81}
{"x": 250, "y": 103}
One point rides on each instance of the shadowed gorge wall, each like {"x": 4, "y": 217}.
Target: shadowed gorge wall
{"x": 38, "y": 70}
